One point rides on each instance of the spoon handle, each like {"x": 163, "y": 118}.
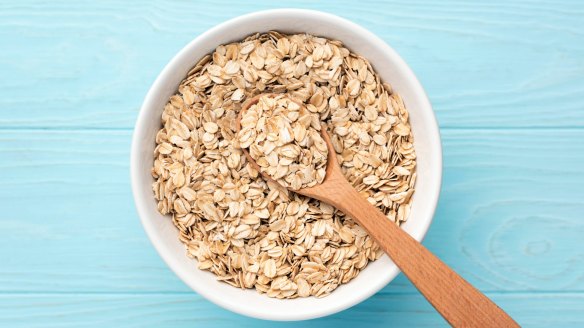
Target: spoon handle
{"x": 454, "y": 298}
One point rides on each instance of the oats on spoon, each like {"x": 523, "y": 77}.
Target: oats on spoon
{"x": 284, "y": 139}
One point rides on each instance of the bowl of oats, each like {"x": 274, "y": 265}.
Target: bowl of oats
{"x": 239, "y": 240}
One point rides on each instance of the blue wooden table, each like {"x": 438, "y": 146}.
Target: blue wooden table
{"x": 506, "y": 80}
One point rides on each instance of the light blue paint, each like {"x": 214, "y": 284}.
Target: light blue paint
{"x": 506, "y": 80}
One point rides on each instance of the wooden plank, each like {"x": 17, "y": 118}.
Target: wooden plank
{"x": 188, "y": 310}
{"x": 512, "y": 207}
{"x": 69, "y": 221}
{"x": 501, "y": 64}
{"x": 509, "y": 219}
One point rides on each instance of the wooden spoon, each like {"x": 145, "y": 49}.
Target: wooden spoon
{"x": 454, "y": 298}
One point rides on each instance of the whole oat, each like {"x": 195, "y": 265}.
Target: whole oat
{"x": 255, "y": 234}
{"x": 284, "y": 140}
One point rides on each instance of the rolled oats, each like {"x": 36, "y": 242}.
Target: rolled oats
{"x": 252, "y": 233}
{"x": 284, "y": 140}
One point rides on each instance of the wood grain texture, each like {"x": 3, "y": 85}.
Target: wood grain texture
{"x": 190, "y": 310}
{"x": 89, "y": 64}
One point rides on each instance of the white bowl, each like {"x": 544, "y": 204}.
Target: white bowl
{"x": 392, "y": 69}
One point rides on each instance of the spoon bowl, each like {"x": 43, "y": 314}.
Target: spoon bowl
{"x": 333, "y": 170}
